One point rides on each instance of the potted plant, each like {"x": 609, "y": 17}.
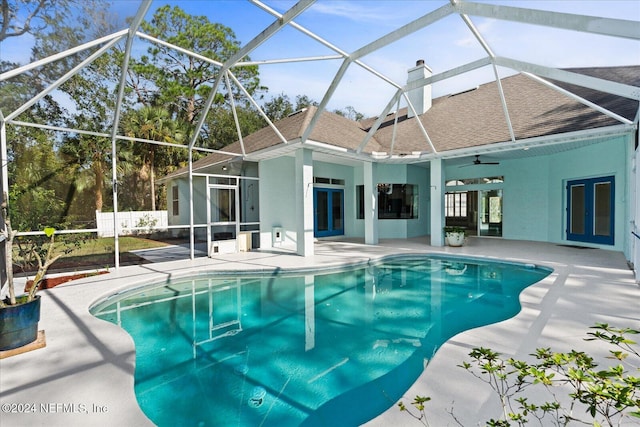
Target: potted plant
{"x": 19, "y": 315}
{"x": 454, "y": 235}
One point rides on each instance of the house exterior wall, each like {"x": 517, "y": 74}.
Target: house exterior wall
{"x": 609, "y": 157}
{"x": 420, "y": 226}
{"x": 277, "y": 201}
{"x": 534, "y": 193}
{"x": 405, "y": 174}
{"x": 346, "y": 173}
{"x": 276, "y": 184}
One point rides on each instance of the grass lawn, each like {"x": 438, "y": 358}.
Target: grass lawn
{"x": 99, "y": 253}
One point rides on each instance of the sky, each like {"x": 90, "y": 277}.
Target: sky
{"x": 351, "y": 24}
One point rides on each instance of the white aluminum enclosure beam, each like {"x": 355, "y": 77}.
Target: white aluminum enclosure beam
{"x": 118, "y": 137}
{"x": 325, "y": 100}
{"x": 259, "y": 108}
{"x": 235, "y": 114}
{"x": 4, "y": 165}
{"x": 272, "y": 29}
{"x": 608, "y": 86}
{"x": 135, "y": 23}
{"x": 300, "y": 28}
{"x": 404, "y": 31}
{"x": 62, "y": 79}
{"x": 64, "y": 54}
{"x": 325, "y": 43}
{"x": 456, "y": 71}
{"x": 487, "y": 48}
{"x": 383, "y": 41}
{"x": 178, "y": 48}
{"x": 288, "y": 60}
{"x": 417, "y": 119}
{"x": 383, "y": 115}
{"x": 418, "y": 83}
{"x": 579, "y": 99}
{"x": 503, "y": 101}
{"x": 395, "y": 127}
{"x": 589, "y": 24}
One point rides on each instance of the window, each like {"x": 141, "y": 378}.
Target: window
{"x": 397, "y": 201}
{"x": 475, "y": 181}
{"x": 359, "y": 201}
{"x": 455, "y": 204}
{"x": 174, "y": 200}
{"x": 332, "y": 181}
{"x": 590, "y": 210}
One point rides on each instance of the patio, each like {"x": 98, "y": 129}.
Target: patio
{"x": 93, "y": 383}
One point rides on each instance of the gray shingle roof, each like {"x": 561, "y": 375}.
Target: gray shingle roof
{"x": 476, "y": 117}
{"x": 468, "y": 119}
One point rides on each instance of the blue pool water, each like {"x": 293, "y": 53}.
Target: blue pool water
{"x": 325, "y": 349}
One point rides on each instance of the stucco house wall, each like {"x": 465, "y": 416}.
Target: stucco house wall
{"x": 609, "y": 157}
{"x": 277, "y": 200}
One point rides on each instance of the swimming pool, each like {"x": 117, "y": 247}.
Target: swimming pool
{"x": 334, "y": 347}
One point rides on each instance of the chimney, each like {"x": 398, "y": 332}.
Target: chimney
{"x": 421, "y": 97}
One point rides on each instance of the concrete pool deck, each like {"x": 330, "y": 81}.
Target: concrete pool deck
{"x": 84, "y": 375}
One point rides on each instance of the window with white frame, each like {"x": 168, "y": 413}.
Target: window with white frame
{"x": 455, "y": 204}
{"x": 175, "y": 205}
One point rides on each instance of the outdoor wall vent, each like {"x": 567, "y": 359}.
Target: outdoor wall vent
{"x": 464, "y": 91}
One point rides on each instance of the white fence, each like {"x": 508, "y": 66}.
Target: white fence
{"x": 132, "y": 222}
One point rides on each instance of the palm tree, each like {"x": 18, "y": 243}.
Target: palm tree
{"x": 154, "y": 124}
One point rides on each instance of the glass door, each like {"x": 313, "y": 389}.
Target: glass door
{"x": 590, "y": 210}
{"x": 490, "y": 213}
{"x": 329, "y": 212}
{"x": 222, "y": 217}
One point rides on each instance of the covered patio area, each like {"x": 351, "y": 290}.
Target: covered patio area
{"x": 84, "y": 375}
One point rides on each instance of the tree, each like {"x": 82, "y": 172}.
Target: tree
{"x": 179, "y": 81}
{"x": 154, "y": 124}
{"x": 280, "y": 106}
{"x": 62, "y": 178}
{"x": 19, "y": 17}
{"x": 350, "y": 113}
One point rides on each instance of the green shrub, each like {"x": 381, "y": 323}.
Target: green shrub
{"x": 608, "y": 396}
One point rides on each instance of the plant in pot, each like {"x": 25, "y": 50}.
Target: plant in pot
{"x": 454, "y": 235}
{"x": 19, "y": 314}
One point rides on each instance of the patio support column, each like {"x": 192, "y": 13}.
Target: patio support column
{"x": 304, "y": 202}
{"x": 437, "y": 202}
{"x": 370, "y": 205}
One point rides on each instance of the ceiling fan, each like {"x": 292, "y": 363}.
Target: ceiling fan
{"x": 477, "y": 161}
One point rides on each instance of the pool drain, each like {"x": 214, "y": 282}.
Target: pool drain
{"x": 257, "y": 397}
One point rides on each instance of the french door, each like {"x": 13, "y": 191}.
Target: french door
{"x": 590, "y": 210}
{"x": 328, "y": 205}
{"x": 490, "y": 213}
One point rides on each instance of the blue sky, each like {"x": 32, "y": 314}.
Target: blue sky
{"x": 352, "y": 24}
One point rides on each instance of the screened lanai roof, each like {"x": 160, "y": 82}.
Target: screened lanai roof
{"x": 357, "y": 54}
{"x": 472, "y": 120}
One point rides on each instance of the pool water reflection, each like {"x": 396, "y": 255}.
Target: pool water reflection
{"x": 332, "y": 348}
